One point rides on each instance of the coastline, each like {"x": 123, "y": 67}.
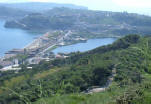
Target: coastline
{"x": 29, "y": 44}
{"x": 12, "y": 38}
{"x": 36, "y": 43}
{"x": 42, "y": 47}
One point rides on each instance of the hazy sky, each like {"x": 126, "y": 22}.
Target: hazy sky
{"x": 138, "y": 6}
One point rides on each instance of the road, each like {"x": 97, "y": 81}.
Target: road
{"x": 108, "y": 84}
{"x": 61, "y": 39}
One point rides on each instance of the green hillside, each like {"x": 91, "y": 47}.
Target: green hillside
{"x": 66, "y": 81}
{"x": 85, "y": 22}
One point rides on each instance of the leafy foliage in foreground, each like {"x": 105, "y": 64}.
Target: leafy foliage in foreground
{"x": 61, "y": 81}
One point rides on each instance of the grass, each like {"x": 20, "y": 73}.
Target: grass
{"x": 13, "y": 82}
{"x": 46, "y": 73}
{"x": 106, "y": 97}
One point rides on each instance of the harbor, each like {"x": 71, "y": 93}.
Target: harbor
{"x": 34, "y": 52}
{"x": 51, "y": 45}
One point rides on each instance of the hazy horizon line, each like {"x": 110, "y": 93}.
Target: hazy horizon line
{"x": 128, "y": 11}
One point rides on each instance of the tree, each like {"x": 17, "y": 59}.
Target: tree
{"x": 100, "y": 75}
{"x": 1, "y": 66}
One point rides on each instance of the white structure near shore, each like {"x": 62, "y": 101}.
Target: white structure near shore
{"x": 12, "y": 67}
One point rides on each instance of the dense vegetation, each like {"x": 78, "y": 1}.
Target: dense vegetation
{"x": 12, "y": 11}
{"x": 98, "y": 23}
{"x": 62, "y": 81}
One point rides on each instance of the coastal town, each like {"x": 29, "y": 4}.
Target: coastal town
{"x": 40, "y": 49}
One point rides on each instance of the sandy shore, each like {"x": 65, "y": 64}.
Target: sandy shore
{"x": 36, "y": 42}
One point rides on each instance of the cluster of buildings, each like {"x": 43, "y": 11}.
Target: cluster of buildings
{"x": 35, "y": 52}
{"x": 13, "y": 53}
{"x": 9, "y": 64}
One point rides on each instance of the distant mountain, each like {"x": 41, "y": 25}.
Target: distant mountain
{"x": 85, "y": 22}
{"x": 38, "y": 6}
{"x": 12, "y": 13}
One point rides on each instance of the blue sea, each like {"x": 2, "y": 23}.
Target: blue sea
{"x": 17, "y": 38}
{"x": 14, "y": 38}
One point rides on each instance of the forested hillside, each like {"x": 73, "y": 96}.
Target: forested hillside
{"x": 13, "y": 11}
{"x": 64, "y": 81}
{"x": 96, "y": 23}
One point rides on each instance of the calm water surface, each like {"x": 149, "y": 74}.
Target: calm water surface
{"x": 14, "y": 38}
{"x": 82, "y": 47}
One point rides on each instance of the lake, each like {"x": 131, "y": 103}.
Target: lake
{"x": 82, "y": 47}
{"x": 14, "y": 38}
